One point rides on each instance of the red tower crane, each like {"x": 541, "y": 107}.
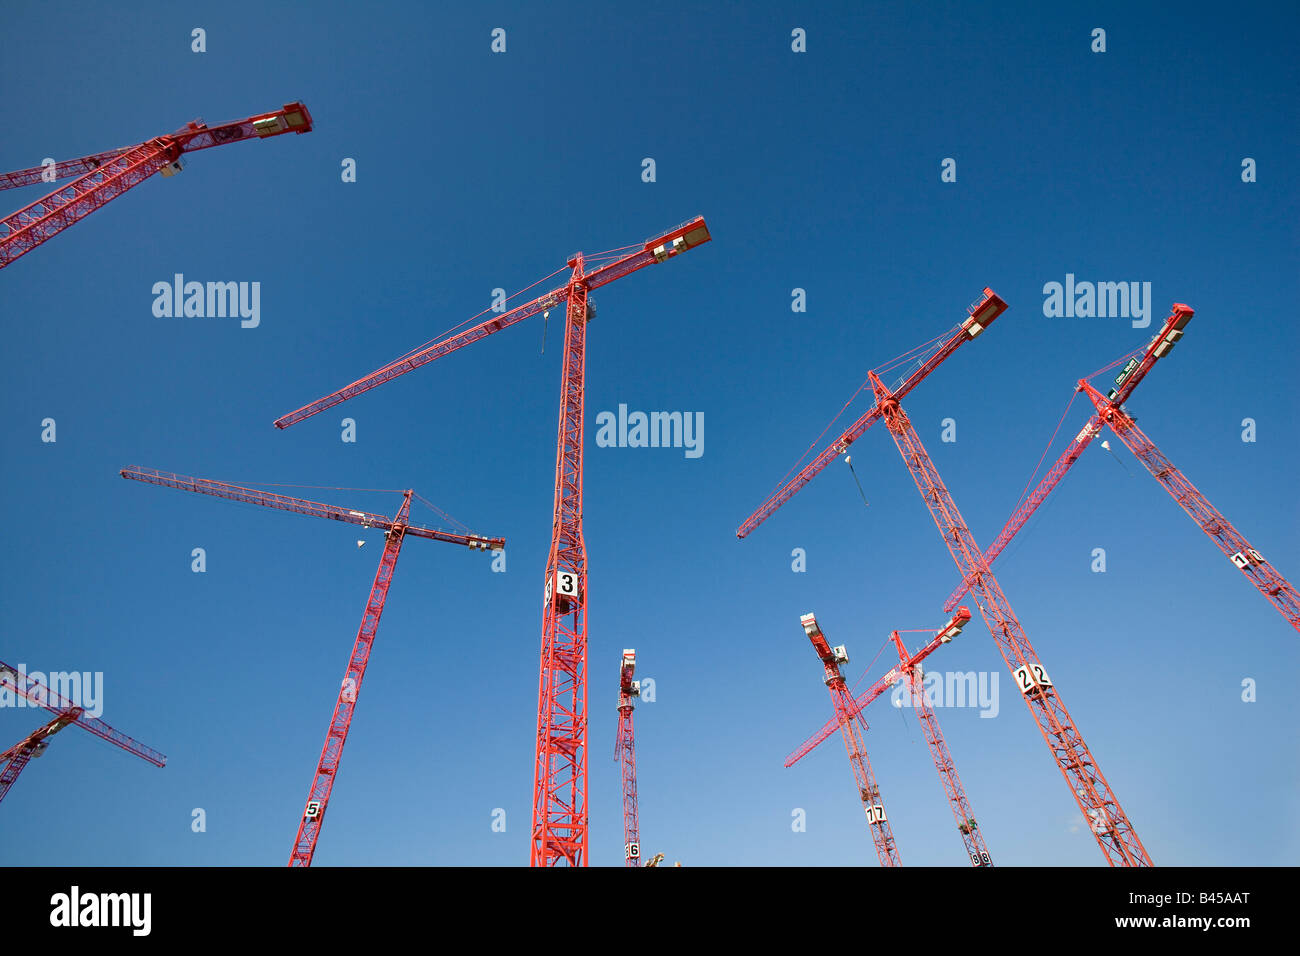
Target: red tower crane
{"x": 559, "y": 820}
{"x": 976, "y": 850}
{"x": 39, "y": 694}
{"x": 1277, "y": 589}
{"x": 101, "y": 177}
{"x": 849, "y": 719}
{"x": 909, "y": 669}
{"x": 395, "y": 530}
{"x": 1134, "y": 371}
{"x": 13, "y": 760}
{"x": 1111, "y": 827}
{"x": 625, "y": 752}
{"x": 1110, "y": 411}
{"x": 878, "y": 689}
{"x": 981, "y": 315}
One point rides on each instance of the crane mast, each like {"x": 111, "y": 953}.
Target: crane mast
{"x": 1115, "y": 835}
{"x": 1106, "y": 819}
{"x": 625, "y": 752}
{"x": 1277, "y": 589}
{"x": 559, "y": 805}
{"x": 967, "y": 826}
{"x": 395, "y": 531}
{"x": 943, "y": 636}
{"x": 909, "y": 670}
{"x": 327, "y": 767}
{"x": 1171, "y": 330}
{"x": 851, "y": 727}
{"x": 559, "y": 817}
{"x": 1110, "y": 411}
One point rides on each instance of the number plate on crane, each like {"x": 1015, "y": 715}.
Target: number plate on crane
{"x": 563, "y": 585}
{"x": 1032, "y": 679}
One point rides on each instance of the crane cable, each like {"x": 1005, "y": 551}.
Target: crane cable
{"x": 906, "y": 726}
{"x": 1046, "y": 449}
{"x": 867, "y": 670}
{"x": 1106, "y": 445}
{"x": 609, "y": 253}
{"x": 848, "y": 459}
{"x": 879, "y": 370}
{"x": 438, "y": 511}
{"x": 456, "y": 328}
{"x": 1105, "y": 368}
{"x": 1123, "y": 358}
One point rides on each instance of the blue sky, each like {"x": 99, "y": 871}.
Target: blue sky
{"x": 818, "y": 171}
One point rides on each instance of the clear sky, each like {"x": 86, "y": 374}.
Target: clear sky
{"x": 818, "y": 171}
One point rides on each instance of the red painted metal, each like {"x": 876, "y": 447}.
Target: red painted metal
{"x": 1171, "y": 330}
{"x": 322, "y": 784}
{"x": 252, "y": 496}
{"x": 1115, "y": 835}
{"x": 1277, "y": 589}
{"x": 39, "y": 694}
{"x": 395, "y": 531}
{"x": 849, "y": 719}
{"x": 66, "y": 169}
{"x": 45, "y": 696}
{"x": 625, "y": 752}
{"x": 559, "y": 819}
{"x": 981, "y": 315}
{"x": 13, "y": 760}
{"x": 102, "y": 177}
{"x": 909, "y": 671}
{"x": 945, "y": 634}
{"x": 693, "y": 233}
{"x": 976, "y": 850}
{"x": 559, "y": 824}
{"x": 1107, "y": 820}
{"x": 24, "y": 230}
